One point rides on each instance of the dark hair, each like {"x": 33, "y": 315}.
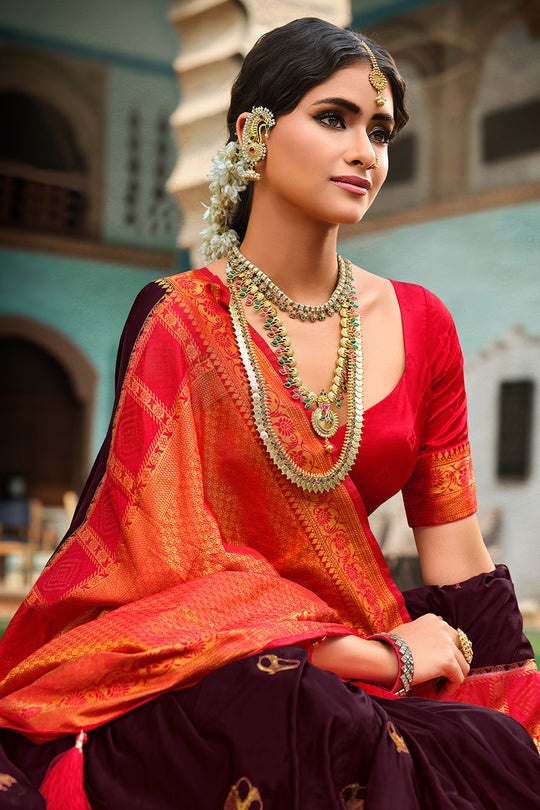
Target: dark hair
{"x": 287, "y": 62}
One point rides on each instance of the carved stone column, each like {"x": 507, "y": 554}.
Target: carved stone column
{"x": 214, "y": 37}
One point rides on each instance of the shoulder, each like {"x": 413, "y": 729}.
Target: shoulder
{"x": 429, "y": 329}
{"x": 187, "y": 285}
{"x": 422, "y": 298}
{"x": 191, "y": 287}
{"x": 426, "y": 310}
{"x": 412, "y": 298}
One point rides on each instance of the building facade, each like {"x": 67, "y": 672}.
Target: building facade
{"x": 111, "y": 114}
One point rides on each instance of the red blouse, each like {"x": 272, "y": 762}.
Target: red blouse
{"x": 415, "y": 439}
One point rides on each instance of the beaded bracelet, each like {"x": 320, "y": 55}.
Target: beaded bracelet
{"x": 405, "y": 661}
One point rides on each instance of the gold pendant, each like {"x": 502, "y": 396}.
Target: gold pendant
{"x": 324, "y": 421}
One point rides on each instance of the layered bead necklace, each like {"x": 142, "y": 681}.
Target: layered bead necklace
{"x": 250, "y": 286}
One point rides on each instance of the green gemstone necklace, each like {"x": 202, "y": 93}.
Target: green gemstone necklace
{"x": 245, "y": 288}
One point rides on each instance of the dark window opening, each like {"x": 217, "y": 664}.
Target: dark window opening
{"x": 41, "y": 207}
{"x": 499, "y": 139}
{"x": 42, "y": 172}
{"x": 41, "y": 421}
{"x": 33, "y": 132}
{"x": 515, "y": 429}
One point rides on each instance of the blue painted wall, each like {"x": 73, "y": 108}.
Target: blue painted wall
{"x": 484, "y": 266}
{"x": 123, "y": 31}
{"x": 87, "y": 301}
{"x": 368, "y": 12}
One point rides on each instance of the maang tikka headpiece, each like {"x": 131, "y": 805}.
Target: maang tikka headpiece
{"x": 376, "y": 77}
{"x": 256, "y": 129}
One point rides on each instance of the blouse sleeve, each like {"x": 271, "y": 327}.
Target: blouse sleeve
{"x": 441, "y": 488}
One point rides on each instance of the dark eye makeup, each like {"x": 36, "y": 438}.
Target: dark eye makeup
{"x": 331, "y": 118}
{"x": 335, "y": 119}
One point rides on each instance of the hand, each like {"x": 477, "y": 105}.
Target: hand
{"x": 436, "y": 653}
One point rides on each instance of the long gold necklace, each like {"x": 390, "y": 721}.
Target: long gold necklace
{"x": 324, "y": 420}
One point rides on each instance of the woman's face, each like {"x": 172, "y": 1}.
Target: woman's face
{"x": 320, "y": 156}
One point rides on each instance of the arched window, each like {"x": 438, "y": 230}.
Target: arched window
{"x": 40, "y": 421}
{"x": 46, "y": 408}
{"x": 43, "y": 177}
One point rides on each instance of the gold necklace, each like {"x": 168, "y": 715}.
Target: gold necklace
{"x": 352, "y": 351}
{"x": 282, "y": 301}
{"x": 324, "y": 420}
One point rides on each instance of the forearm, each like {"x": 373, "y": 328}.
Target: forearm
{"x": 352, "y": 657}
{"x": 432, "y": 643}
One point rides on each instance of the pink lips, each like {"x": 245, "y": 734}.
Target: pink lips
{"x": 352, "y": 183}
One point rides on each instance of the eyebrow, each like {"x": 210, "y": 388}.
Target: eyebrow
{"x": 353, "y": 108}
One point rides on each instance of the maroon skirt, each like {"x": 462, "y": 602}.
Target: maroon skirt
{"x": 273, "y": 732}
{"x": 277, "y": 730}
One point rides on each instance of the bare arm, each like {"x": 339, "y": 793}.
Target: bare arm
{"x": 433, "y": 643}
{"x": 448, "y": 553}
{"x": 452, "y": 552}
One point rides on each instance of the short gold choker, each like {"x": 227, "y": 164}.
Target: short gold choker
{"x": 271, "y": 291}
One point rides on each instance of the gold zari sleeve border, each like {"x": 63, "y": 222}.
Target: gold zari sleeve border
{"x": 441, "y": 489}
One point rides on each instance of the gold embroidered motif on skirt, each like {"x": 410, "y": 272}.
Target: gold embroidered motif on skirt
{"x": 272, "y": 664}
{"x": 243, "y": 796}
{"x": 397, "y": 739}
{"x": 352, "y": 797}
{"x": 6, "y": 781}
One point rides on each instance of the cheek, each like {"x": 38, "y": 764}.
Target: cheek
{"x": 295, "y": 150}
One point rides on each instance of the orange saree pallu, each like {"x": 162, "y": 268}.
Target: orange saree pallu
{"x": 194, "y": 552}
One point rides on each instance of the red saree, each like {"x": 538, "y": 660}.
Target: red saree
{"x": 190, "y": 551}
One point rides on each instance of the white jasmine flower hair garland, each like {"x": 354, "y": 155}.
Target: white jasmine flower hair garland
{"x": 226, "y": 182}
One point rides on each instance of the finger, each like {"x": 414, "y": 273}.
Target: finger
{"x": 457, "y": 667}
{"x": 451, "y": 682}
{"x": 465, "y": 667}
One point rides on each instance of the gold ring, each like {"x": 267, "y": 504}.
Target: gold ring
{"x": 465, "y": 645}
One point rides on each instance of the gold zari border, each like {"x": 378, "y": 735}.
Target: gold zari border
{"x": 441, "y": 489}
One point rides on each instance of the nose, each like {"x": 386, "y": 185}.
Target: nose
{"x": 360, "y": 151}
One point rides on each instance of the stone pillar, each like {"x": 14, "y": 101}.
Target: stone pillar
{"x": 214, "y": 37}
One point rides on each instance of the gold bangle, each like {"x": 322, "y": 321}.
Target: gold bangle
{"x": 465, "y": 645}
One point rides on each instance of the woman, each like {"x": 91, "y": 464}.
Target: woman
{"x": 219, "y": 620}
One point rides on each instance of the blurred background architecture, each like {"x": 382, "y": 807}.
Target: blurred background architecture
{"x": 110, "y": 112}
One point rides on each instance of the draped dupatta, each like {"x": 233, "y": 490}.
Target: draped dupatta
{"x": 193, "y": 551}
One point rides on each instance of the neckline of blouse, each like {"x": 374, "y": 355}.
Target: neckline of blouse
{"x": 225, "y": 297}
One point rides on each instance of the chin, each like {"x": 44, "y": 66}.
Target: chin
{"x": 352, "y": 214}
{"x": 351, "y": 217}
{"x": 353, "y": 220}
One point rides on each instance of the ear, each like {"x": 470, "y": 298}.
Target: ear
{"x": 240, "y": 125}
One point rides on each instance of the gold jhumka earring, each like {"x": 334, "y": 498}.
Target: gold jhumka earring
{"x": 376, "y": 77}
{"x": 258, "y": 124}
